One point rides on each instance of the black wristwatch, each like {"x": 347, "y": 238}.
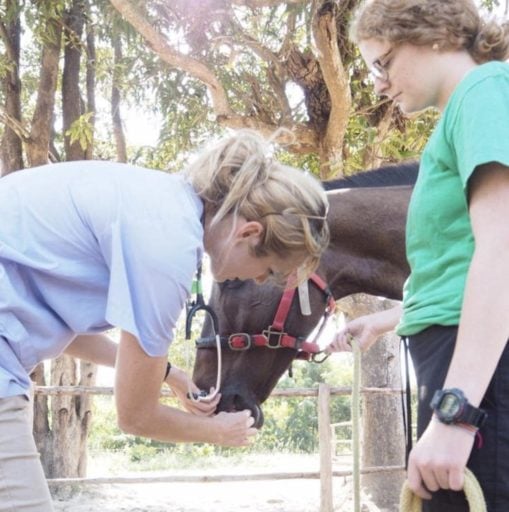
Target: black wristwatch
{"x": 452, "y": 407}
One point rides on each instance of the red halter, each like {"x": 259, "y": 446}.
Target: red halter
{"x": 274, "y": 336}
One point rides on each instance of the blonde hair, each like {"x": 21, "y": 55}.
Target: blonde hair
{"x": 238, "y": 176}
{"x": 451, "y": 25}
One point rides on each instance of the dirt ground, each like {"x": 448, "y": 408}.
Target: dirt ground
{"x": 248, "y": 496}
{"x": 291, "y": 495}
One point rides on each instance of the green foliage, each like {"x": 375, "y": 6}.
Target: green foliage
{"x": 490, "y": 5}
{"x": 81, "y": 130}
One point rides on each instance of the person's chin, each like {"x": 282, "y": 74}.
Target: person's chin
{"x": 219, "y": 278}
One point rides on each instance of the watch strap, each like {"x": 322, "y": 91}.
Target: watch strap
{"x": 471, "y": 415}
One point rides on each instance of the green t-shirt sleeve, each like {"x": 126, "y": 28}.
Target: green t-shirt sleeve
{"x": 480, "y": 129}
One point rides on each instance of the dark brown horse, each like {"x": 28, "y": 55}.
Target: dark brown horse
{"x": 367, "y": 222}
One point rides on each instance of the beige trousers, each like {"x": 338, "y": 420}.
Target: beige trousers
{"x": 23, "y": 486}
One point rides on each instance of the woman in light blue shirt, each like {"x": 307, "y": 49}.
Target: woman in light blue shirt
{"x": 85, "y": 246}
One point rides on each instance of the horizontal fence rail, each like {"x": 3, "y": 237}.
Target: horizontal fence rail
{"x": 215, "y": 478}
{"x": 288, "y": 393}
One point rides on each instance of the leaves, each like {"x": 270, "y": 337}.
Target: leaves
{"x": 82, "y": 131}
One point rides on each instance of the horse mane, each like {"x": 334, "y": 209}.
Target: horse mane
{"x": 387, "y": 176}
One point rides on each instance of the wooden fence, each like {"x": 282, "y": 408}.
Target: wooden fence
{"x": 326, "y": 445}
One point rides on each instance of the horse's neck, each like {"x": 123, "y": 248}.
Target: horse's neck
{"x": 367, "y": 250}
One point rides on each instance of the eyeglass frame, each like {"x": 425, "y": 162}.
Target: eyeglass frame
{"x": 380, "y": 67}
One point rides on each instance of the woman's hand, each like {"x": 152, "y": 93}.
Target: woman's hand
{"x": 439, "y": 458}
{"x": 234, "y": 428}
{"x": 181, "y": 384}
{"x": 365, "y": 329}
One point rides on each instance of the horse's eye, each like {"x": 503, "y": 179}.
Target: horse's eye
{"x": 231, "y": 283}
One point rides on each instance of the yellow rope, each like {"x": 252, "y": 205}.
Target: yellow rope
{"x": 356, "y": 428}
{"x": 410, "y": 502}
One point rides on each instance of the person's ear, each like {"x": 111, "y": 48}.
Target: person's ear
{"x": 250, "y": 231}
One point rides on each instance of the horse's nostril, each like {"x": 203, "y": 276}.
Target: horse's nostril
{"x": 238, "y": 402}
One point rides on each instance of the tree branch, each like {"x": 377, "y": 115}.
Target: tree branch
{"x": 276, "y": 73}
{"x": 336, "y": 80}
{"x": 14, "y": 125}
{"x": 298, "y": 137}
{"x": 175, "y": 59}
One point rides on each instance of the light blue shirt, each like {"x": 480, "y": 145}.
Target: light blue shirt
{"x": 85, "y": 246}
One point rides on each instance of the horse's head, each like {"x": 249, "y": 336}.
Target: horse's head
{"x": 250, "y": 373}
{"x": 366, "y": 254}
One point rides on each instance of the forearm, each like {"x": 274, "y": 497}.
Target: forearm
{"x": 171, "y": 425}
{"x": 388, "y": 319}
{"x": 484, "y": 325}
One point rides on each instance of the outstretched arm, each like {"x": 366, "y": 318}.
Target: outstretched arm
{"x": 365, "y": 329}
{"x": 137, "y": 386}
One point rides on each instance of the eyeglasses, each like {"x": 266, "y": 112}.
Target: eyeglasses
{"x": 298, "y": 214}
{"x": 380, "y": 67}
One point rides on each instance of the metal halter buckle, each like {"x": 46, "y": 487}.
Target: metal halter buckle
{"x": 233, "y": 341}
{"x": 273, "y": 337}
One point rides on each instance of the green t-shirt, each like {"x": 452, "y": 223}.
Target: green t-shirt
{"x": 473, "y": 130}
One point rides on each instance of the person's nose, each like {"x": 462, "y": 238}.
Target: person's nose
{"x": 381, "y": 87}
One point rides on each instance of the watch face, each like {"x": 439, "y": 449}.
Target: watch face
{"x": 449, "y": 405}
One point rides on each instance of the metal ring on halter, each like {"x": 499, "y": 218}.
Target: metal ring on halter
{"x": 320, "y": 357}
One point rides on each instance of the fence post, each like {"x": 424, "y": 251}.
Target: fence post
{"x": 325, "y": 442}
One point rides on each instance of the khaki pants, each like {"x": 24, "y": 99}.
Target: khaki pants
{"x": 23, "y": 486}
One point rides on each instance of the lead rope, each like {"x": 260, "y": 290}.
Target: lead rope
{"x": 410, "y": 502}
{"x": 356, "y": 424}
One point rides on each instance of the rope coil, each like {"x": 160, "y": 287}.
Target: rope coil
{"x": 410, "y": 502}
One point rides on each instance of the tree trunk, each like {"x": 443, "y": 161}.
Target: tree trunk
{"x": 91, "y": 78}
{"x": 72, "y": 103}
{"x": 118, "y": 130}
{"x": 11, "y": 148}
{"x": 42, "y": 432}
{"x": 42, "y": 122}
{"x": 383, "y": 441}
{"x": 71, "y": 416}
{"x": 336, "y": 80}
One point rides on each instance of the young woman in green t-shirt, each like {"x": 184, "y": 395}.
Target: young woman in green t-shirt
{"x": 455, "y": 312}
